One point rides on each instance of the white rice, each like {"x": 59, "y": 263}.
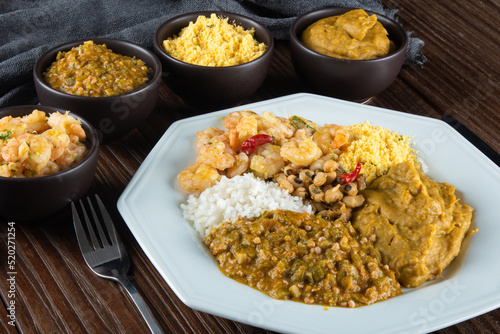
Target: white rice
{"x": 243, "y": 195}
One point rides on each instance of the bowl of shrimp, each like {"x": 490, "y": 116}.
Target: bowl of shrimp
{"x": 115, "y": 100}
{"x": 48, "y": 158}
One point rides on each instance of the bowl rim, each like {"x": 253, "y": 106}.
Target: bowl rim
{"x": 226, "y": 14}
{"x": 92, "y": 150}
{"x": 326, "y": 10}
{"x": 66, "y": 46}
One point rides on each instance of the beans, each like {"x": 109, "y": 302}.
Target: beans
{"x": 317, "y": 165}
{"x": 319, "y": 179}
{"x": 330, "y": 166}
{"x": 353, "y": 201}
{"x": 295, "y": 181}
{"x": 309, "y": 300}
{"x": 333, "y": 195}
{"x": 317, "y": 194}
{"x": 361, "y": 182}
{"x": 321, "y": 261}
{"x": 290, "y": 169}
{"x": 327, "y": 187}
{"x": 331, "y": 177}
{"x": 321, "y": 184}
{"x": 278, "y": 177}
{"x": 350, "y": 189}
{"x": 306, "y": 175}
{"x": 300, "y": 192}
{"x": 285, "y": 184}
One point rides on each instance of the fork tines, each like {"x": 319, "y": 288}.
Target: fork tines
{"x": 104, "y": 237}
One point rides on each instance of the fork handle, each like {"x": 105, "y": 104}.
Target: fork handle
{"x": 141, "y": 305}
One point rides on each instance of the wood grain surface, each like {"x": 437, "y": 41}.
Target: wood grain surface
{"x": 57, "y": 293}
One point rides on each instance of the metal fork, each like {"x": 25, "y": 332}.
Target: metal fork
{"x": 107, "y": 257}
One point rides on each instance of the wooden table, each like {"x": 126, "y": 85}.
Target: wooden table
{"x": 57, "y": 293}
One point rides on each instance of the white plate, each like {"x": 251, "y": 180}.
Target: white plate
{"x": 469, "y": 287}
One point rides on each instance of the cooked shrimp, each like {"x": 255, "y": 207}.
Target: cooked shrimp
{"x": 59, "y": 140}
{"x": 267, "y": 161}
{"x": 302, "y": 123}
{"x": 217, "y": 154}
{"x": 73, "y": 154}
{"x": 301, "y": 134}
{"x": 198, "y": 177}
{"x": 36, "y": 122}
{"x": 11, "y": 127}
{"x": 67, "y": 124}
{"x": 330, "y": 138}
{"x": 50, "y": 168}
{"x": 207, "y": 135}
{"x": 34, "y": 151}
{"x": 247, "y": 127}
{"x": 11, "y": 169}
{"x": 241, "y": 165}
{"x": 301, "y": 153}
{"x": 232, "y": 120}
{"x": 10, "y": 151}
{"x": 5, "y": 170}
{"x": 29, "y": 147}
{"x": 278, "y": 127}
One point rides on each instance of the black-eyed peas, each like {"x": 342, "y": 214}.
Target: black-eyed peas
{"x": 291, "y": 169}
{"x": 353, "y": 201}
{"x": 333, "y": 195}
{"x": 295, "y": 181}
{"x": 306, "y": 175}
{"x": 300, "y": 192}
{"x": 285, "y": 184}
{"x": 330, "y": 165}
{"x": 319, "y": 179}
{"x": 321, "y": 185}
{"x": 350, "y": 189}
{"x": 361, "y": 182}
{"x": 316, "y": 193}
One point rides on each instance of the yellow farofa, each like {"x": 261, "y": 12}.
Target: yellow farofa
{"x": 377, "y": 149}
{"x": 214, "y": 42}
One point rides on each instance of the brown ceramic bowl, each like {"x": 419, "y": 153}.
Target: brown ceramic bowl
{"x": 355, "y": 80}
{"x": 28, "y": 199}
{"x": 213, "y": 85}
{"x": 112, "y": 116}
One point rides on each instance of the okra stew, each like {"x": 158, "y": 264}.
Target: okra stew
{"x": 302, "y": 257}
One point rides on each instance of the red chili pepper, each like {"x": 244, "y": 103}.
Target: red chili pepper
{"x": 349, "y": 177}
{"x": 251, "y": 143}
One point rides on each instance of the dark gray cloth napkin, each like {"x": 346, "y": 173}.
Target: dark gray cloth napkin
{"x": 28, "y": 28}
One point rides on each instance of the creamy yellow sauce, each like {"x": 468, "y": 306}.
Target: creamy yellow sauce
{"x": 419, "y": 223}
{"x": 353, "y": 35}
